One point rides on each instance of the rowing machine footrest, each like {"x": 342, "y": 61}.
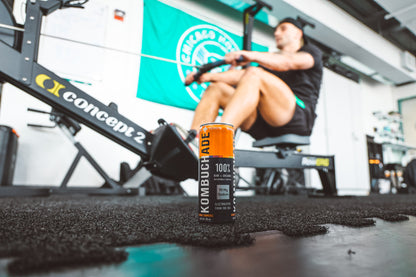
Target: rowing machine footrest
{"x": 170, "y": 156}
{"x": 73, "y": 126}
{"x": 126, "y": 172}
{"x": 61, "y": 119}
{"x": 283, "y": 141}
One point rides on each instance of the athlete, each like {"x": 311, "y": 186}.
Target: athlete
{"x": 276, "y": 97}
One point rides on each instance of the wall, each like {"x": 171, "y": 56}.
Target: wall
{"x": 339, "y": 131}
{"x": 407, "y": 95}
{"x": 376, "y": 97}
{"x": 403, "y": 92}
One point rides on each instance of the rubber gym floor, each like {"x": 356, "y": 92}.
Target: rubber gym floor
{"x": 160, "y": 236}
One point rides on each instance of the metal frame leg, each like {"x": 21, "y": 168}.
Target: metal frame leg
{"x": 328, "y": 181}
{"x": 83, "y": 153}
{"x": 71, "y": 170}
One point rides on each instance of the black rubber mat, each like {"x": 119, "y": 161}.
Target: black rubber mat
{"x": 42, "y": 234}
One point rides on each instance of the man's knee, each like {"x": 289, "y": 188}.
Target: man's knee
{"x": 219, "y": 86}
{"x": 253, "y": 75}
{"x": 253, "y": 72}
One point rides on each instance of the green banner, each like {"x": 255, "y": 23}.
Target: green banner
{"x": 173, "y": 34}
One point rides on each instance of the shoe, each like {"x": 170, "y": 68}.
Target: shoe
{"x": 189, "y": 137}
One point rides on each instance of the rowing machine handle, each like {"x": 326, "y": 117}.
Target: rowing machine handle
{"x": 207, "y": 67}
{"x": 305, "y": 22}
{"x": 263, "y": 4}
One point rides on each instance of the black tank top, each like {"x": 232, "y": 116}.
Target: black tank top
{"x": 305, "y": 84}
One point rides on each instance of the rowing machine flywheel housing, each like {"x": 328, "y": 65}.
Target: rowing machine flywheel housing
{"x": 170, "y": 156}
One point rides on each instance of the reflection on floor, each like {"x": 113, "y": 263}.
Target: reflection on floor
{"x": 387, "y": 249}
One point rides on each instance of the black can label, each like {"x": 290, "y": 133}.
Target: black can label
{"x": 216, "y": 189}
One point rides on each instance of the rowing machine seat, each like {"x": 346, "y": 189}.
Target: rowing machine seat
{"x": 283, "y": 141}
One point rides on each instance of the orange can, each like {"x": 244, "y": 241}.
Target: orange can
{"x": 216, "y": 173}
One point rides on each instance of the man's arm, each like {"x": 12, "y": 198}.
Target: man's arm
{"x": 274, "y": 61}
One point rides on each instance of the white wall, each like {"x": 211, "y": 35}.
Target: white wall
{"x": 402, "y": 93}
{"x": 339, "y": 131}
{"x": 376, "y": 97}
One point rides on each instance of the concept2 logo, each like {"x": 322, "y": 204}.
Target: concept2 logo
{"x": 96, "y": 111}
{"x": 42, "y": 78}
{"x": 199, "y": 45}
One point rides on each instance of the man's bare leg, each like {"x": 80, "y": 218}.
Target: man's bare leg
{"x": 262, "y": 91}
{"x": 216, "y": 96}
{"x": 257, "y": 90}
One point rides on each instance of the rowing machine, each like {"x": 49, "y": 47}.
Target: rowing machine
{"x": 285, "y": 156}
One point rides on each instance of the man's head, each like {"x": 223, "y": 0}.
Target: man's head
{"x": 288, "y": 31}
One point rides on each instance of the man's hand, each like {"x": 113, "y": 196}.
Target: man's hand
{"x": 190, "y": 78}
{"x": 237, "y": 58}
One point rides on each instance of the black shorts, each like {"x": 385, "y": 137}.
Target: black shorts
{"x": 300, "y": 124}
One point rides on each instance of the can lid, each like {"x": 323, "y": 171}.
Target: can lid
{"x": 217, "y": 123}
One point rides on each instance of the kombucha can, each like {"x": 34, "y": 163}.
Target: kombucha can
{"x": 216, "y": 173}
